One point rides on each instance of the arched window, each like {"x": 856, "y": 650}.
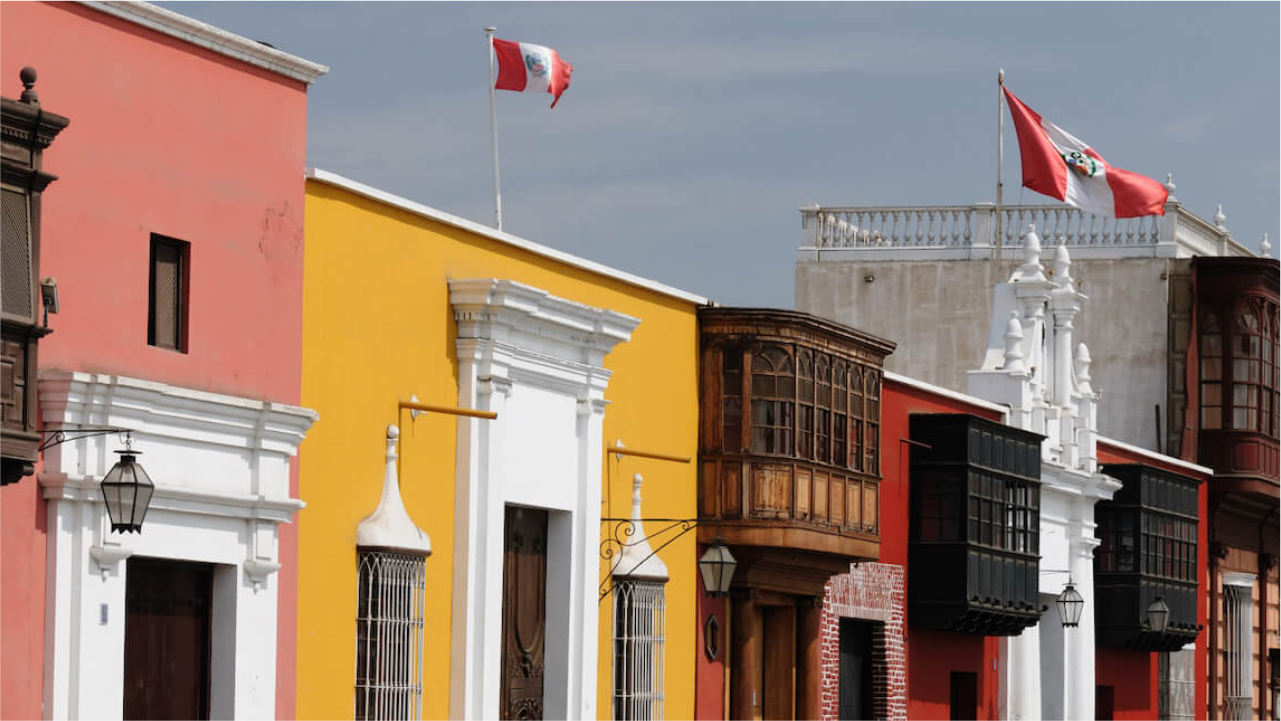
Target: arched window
{"x": 1239, "y": 384}
{"x": 389, "y": 635}
{"x": 805, "y": 403}
{"x": 773, "y": 393}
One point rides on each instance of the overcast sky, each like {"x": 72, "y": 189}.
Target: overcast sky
{"x": 692, "y": 133}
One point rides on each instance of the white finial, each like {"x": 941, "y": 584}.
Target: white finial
{"x": 1063, "y": 265}
{"x": 1013, "y": 344}
{"x": 1220, "y": 219}
{"x": 638, "y": 560}
{"x": 1031, "y": 269}
{"x": 1169, "y": 185}
{"x": 390, "y": 526}
{"x": 1265, "y": 248}
{"x": 1082, "y": 368}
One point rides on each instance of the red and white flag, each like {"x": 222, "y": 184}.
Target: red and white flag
{"x": 1062, "y": 166}
{"x": 529, "y": 68}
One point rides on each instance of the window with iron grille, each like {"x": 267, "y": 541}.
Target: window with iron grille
{"x": 167, "y": 308}
{"x": 16, "y": 254}
{"x": 389, "y": 636}
{"x": 639, "y": 637}
{"x": 1238, "y": 646}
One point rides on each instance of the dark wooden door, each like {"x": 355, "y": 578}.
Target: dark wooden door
{"x": 855, "y": 669}
{"x": 167, "y": 606}
{"x": 778, "y": 687}
{"x": 964, "y": 695}
{"x": 524, "y": 612}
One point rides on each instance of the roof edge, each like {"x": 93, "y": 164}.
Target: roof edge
{"x": 212, "y": 38}
{"x": 439, "y": 216}
{"x": 1170, "y": 460}
{"x": 949, "y": 393}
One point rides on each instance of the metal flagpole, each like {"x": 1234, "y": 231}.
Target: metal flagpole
{"x": 493, "y": 129}
{"x": 1000, "y": 163}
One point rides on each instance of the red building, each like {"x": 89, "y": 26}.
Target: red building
{"x": 174, "y": 235}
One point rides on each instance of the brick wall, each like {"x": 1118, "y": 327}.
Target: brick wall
{"x": 871, "y": 592}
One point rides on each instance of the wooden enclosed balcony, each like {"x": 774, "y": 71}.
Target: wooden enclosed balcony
{"x": 789, "y": 443}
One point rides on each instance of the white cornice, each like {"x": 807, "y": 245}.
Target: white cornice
{"x": 1178, "y": 463}
{"x": 409, "y": 206}
{"x": 211, "y": 38}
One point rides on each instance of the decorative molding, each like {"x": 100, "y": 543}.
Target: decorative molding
{"x": 108, "y": 557}
{"x": 1234, "y": 578}
{"x": 423, "y": 211}
{"x": 258, "y": 571}
{"x": 212, "y": 38}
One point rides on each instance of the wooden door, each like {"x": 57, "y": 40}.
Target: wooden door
{"x": 779, "y": 684}
{"x": 167, "y": 607}
{"x": 524, "y": 612}
{"x": 963, "y": 694}
{"x": 855, "y": 677}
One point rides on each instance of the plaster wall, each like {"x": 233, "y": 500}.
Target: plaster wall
{"x": 933, "y": 309}
{"x": 173, "y": 139}
{"x": 370, "y": 344}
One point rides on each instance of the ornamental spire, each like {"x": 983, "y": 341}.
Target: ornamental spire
{"x": 638, "y": 561}
{"x": 390, "y": 526}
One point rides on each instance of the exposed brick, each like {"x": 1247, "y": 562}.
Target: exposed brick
{"x": 872, "y": 592}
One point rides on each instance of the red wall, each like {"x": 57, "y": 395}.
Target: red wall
{"x": 709, "y": 675}
{"x": 1133, "y": 678}
{"x": 1113, "y": 454}
{"x": 168, "y": 138}
{"x": 931, "y": 655}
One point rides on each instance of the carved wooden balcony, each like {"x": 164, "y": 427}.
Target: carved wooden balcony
{"x": 1148, "y": 550}
{"x": 974, "y": 542}
{"x": 789, "y": 443}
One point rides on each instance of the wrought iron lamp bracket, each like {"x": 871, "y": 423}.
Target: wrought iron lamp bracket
{"x": 61, "y": 435}
{"x": 625, "y": 528}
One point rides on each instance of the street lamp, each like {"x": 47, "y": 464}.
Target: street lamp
{"x": 1070, "y": 605}
{"x": 127, "y": 490}
{"x": 1158, "y": 615}
{"x": 717, "y": 568}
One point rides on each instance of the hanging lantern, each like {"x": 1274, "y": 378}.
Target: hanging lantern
{"x": 717, "y": 568}
{"x": 127, "y": 490}
{"x": 1070, "y": 605}
{"x": 1158, "y": 615}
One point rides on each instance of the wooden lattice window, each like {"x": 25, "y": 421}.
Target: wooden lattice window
{"x": 805, "y": 403}
{"x": 167, "y": 314}
{"x": 1247, "y": 354}
{"x": 1211, "y": 350}
{"x": 732, "y": 400}
{"x": 773, "y": 395}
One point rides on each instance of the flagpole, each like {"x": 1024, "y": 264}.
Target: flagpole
{"x": 1000, "y": 164}
{"x": 493, "y": 130}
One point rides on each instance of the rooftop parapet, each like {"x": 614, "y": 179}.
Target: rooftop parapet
{"x": 970, "y": 232}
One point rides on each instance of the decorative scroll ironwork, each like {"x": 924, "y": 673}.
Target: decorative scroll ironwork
{"x": 62, "y": 435}
{"x": 625, "y": 528}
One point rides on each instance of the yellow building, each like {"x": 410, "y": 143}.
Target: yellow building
{"x": 404, "y": 302}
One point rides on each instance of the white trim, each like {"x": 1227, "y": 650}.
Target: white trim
{"x": 221, "y": 466}
{"x": 212, "y": 38}
{"x": 409, "y": 206}
{"x": 1233, "y": 578}
{"x": 947, "y": 393}
{"x": 1156, "y": 456}
{"x": 537, "y": 361}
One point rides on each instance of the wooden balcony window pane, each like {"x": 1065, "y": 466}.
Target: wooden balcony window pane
{"x": 1245, "y": 419}
{"x": 762, "y": 386}
{"x": 1211, "y": 345}
{"x": 733, "y": 423}
{"x": 1211, "y": 418}
{"x": 1211, "y": 369}
{"x": 839, "y": 451}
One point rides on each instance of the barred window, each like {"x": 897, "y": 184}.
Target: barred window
{"x": 1238, "y": 651}
{"x": 639, "y": 637}
{"x": 167, "y": 309}
{"x": 389, "y": 636}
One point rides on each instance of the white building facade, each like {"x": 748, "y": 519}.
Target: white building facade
{"x": 1034, "y": 365}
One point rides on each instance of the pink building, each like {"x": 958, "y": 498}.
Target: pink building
{"x": 175, "y": 233}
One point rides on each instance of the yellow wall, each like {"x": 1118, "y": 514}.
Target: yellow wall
{"x": 377, "y": 328}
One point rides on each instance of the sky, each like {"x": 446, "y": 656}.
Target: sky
{"x": 692, "y": 133}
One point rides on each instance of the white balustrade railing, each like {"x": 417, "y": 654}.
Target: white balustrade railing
{"x": 974, "y": 226}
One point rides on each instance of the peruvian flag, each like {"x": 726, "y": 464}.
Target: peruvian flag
{"x": 529, "y": 68}
{"x": 1062, "y": 166}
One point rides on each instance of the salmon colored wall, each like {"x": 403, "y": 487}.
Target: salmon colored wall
{"x": 169, "y": 138}
{"x": 22, "y": 557}
{"x": 1113, "y": 454}
{"x": 931, "y": 655}
{"x": 1133, "y": 678}
{"x": 379, "y": 327}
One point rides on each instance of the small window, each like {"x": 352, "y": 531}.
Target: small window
{"x": 389, "y": 636}
{"x": 639, "y": 637}
{"x": 167, "y": 314}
